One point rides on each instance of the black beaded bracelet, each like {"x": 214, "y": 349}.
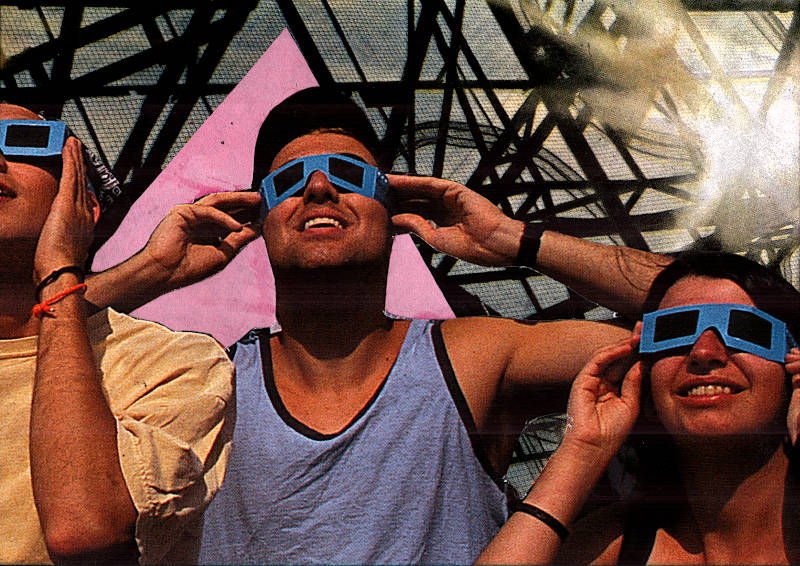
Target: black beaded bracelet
{"x": 55, "y": 275}
{"x": 542, "y": 515}
{"x": 529, "y": 244}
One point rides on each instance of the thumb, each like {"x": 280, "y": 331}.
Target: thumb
{"x": 793, "y": 419}
{"x": 631, "y": 389}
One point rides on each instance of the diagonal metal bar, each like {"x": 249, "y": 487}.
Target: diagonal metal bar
{"x": 130, "y": 158}
{"x": 451, "y": 80}
{"x": 419, "y": 38}
{"x": 86, "y": 35}
{"x": 198, "y": 75}
{"x": 783, "y": 66}
{"x": 305, "y": 42}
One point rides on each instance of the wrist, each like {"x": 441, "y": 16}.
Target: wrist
{"x": 148, "y": 271}
{"x": 45, "y": 270}
{"x": 529, "y": 243}
{"x": 64, "y": 282}
{"x": 71, "y": 273}
{"x": 588, "y": 460}
{"x": 511, "y": 233}
{"x": 62, "y": 298}
{"x": 565, "y": 483}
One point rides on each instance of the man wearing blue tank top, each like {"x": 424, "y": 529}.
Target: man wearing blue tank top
{"x": 366, "y": 439}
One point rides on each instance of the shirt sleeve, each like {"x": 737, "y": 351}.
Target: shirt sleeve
{"x": 171, "y": 393}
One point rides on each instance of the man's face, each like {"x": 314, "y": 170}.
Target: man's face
{"x": 27, "y": 187}
{"x": 319, "y": 226}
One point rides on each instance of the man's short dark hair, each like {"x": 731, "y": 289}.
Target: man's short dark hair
{"x": 315, "y": 108}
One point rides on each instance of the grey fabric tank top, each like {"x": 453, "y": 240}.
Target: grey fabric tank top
{"x": 400, "y": 484}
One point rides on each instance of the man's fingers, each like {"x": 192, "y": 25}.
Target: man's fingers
{"x": 793, "y": 418}
{"x": 416, "y": 224}
{"x": 231, "y": 199}
{"x": 196, "y": 215}
{"x": 632, "y": 383}
{"x": 411, "y": 186}
{"x": 70, "y": 171}
{"x": 235, "y": 241}
{"x": 793, "y": 365}
{"x": 606, "y": 357}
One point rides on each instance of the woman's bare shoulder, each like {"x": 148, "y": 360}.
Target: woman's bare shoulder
{"x": 595, "y": 538}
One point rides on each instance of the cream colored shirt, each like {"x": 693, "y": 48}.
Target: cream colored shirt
{"x": 171, "y": 393}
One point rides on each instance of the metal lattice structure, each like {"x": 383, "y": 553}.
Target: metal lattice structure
{"x": 585, "y": 115}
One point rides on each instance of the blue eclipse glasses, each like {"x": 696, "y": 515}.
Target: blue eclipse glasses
{"x": 36, "y": 139}
{"x": 741, "y": 327}
{"x": 32, "y": 138}
{"x": 348, "y": 174}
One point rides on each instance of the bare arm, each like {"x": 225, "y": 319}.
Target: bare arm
{"x": 521, "y": 368}
{"x": 193, "y": 242}
{"x": 602, "y": 408}
{"x": 614, "y": 276}
{"x": 470, "y": 227}
{"x": 84, "y": 506}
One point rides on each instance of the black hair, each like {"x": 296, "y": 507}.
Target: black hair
{"x": 315, "y": 108}
{"x": 769, "y": 290}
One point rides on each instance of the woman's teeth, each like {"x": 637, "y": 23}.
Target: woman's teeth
{"x": 708, "y": 390}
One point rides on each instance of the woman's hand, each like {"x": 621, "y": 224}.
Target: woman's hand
{"x": 793, "y": 418}
{"x": 604, "y": 401}
{"x": 467, "y": 225}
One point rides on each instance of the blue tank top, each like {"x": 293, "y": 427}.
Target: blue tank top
{"x": 400, "y": 484}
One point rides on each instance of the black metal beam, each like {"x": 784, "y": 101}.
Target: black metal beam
{"x": 198, "y": 74}
{"x": 305, "y": 42}
{"x": 130, "y": 158}
{"x": 86, "y": 35}
{"x": 403, "y": 97}
{"x": 740, "y": 5}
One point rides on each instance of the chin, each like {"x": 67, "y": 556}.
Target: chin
{"x": 325, "y": 266}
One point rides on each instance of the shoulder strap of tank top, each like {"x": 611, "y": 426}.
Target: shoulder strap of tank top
{"x": 641, "y": 525}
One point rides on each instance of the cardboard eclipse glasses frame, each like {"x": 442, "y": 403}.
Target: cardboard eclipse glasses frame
{"x": 348, "y": 174}
{"x": 741, "y": 327}
{"x": 32, "y": 138}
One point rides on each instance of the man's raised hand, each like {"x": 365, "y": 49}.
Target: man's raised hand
{"x": 67, "y": 232}
{"x": 467, "y": 225}
{"x": 197, "y": 240}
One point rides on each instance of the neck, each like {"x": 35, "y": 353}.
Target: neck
{"x": 17, "y": 297}
{"x": 336, "y": 346}
{"x": 735, "y": 490}
{"x": 332, "y": 310}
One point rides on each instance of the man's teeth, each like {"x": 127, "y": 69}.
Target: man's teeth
{"x": 708, "y": 390}
{"x": 322, "y": 220}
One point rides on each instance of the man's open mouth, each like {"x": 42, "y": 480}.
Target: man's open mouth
{"x": 322, "y": 222}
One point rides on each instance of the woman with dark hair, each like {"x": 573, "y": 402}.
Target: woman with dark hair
{"x": 705, "y": 406}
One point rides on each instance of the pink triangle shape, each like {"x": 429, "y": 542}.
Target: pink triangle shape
{"x": 219, "y": 156}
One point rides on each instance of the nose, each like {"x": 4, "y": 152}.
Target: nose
{"x": 319, "y": 189}
{"x": 708, "y": 352}
{"x": 3, "y": 163}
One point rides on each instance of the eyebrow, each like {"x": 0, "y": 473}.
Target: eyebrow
{"x": 353, "y": 156}
{"x": 350, "y": 155}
